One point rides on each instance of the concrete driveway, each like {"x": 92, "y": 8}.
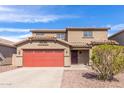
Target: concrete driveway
{"x": 46, "y": 77}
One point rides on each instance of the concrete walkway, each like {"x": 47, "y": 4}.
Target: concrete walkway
{"x": 78, "y": 67}
{"x": 32, "y": 78}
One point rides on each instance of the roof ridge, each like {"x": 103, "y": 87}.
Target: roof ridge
{"x": 116, "y": 33}
{"x": 6, "y": 42}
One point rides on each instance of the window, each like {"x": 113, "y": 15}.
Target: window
{"x": 39, "y": 34}
{"x": 61, "y": 36}
{"x": 88, "y": 34}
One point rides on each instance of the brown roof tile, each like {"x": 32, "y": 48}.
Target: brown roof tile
{"x": 79, "y": 44}
{"x": 48, "y": 30}
{"x": 111, "y": 42}
{"x": 6, "y": 42}
{"x": 41, "y": 38}
{"x": 116, "y": 34}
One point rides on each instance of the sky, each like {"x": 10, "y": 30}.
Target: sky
{"x": 16, "y": 21}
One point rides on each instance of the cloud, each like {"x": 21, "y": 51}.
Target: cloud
{"x": 6, "y": 9}
{"x": 24, "y": 18}
{"x": 18, "y": 30}
{"x": 115, "y": 28}
{"x": 24, "y": 36}
{"x": 16, "y": 38}
{"x": 14, "y": 14}
{"x": 11, "y": 38}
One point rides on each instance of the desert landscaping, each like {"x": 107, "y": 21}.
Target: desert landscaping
{"x": 87, "y": 79}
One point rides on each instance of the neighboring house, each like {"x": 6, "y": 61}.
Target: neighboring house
{"x": 119, "y": 37}
{"x": 59, "y": 47}
{"x": 7, "y": 49}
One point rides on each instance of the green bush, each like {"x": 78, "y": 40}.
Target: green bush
{"x": 107, "y": 60}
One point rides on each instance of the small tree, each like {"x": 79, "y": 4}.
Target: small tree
{"x": 108, "y": 60}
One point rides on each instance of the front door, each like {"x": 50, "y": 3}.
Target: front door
{"x": 74, "y": 59}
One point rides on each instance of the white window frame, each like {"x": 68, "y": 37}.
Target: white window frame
{"x": 86, "y": 34}
{"x": 60, "y": 36}
{"x": 40, "y": 34}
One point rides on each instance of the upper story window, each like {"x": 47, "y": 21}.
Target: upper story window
{"x": 87, "y": 34}
{"x": 39, "y": 34}
{"x": 60, "y": 35}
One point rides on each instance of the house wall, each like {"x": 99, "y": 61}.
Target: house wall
{"x": 83, "y": 57}
{"x": 45, "y": 34}
{"x": 119, "y": 38}
{"x": 77, "y": 36}
{"x": 7, "y": 53}
{"x": 35, "y": 45}
{"x": 49, "y": 34}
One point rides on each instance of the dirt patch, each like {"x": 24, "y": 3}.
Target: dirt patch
{"x": 7, "y": 68}
{"x": 87, "y": 79}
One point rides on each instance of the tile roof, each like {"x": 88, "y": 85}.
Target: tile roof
{"x": 42, "y": 38}
{"x": 70, "y": 29}
{"x": 111, "y": 42}
{"x": 6, "y": 42}
{"x": 79, "y": 44}
{"x": 72, "y": 44}
{"x": 48, "y": 30}
{"x": 92, "y": 43}
{"x": 116, "y": 34}
{"x": 87, "y": 29}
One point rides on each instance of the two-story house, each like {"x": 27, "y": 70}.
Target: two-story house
{"x": 58, "y": 47}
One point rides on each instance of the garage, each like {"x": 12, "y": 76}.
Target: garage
{"x": 43, "y": 58}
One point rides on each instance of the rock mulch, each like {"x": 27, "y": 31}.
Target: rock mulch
{"x": 87, "y": 79}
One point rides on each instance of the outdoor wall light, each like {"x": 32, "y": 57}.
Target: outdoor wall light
{"x": 18, "y": 52}
{"x": 80, "y": 52}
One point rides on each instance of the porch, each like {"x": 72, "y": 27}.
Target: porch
{"x": 80, "y": 57}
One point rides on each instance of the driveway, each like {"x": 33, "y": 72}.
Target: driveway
{"x": 41, "y": 77}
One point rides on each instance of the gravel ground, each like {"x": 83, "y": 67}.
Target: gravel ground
{"x": 79, "y": 79}
{"x": 7, "y": 68}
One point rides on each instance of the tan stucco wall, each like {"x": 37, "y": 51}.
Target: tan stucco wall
{"x": 45, "y": 34}
{"x": 119, "y": 38}
{"x": 34, "y": 45}
{"x": 7, "y": 52}
{"x": 90, "y": 56}
{"x": 83, "y": 57}
{"x": 77, "y": 36}
{"x": 52, "y": 34}
{"x": 17, "y": 60}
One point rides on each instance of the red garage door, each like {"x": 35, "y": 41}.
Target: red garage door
{"x": 43, "y": 58}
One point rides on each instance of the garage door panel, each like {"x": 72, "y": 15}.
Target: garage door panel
{"x": 42, "y": 58}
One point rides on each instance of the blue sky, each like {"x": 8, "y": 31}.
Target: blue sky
{"x": 16, "y": 21}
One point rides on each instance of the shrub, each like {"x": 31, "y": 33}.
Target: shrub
{"x": 107, "y": 60}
